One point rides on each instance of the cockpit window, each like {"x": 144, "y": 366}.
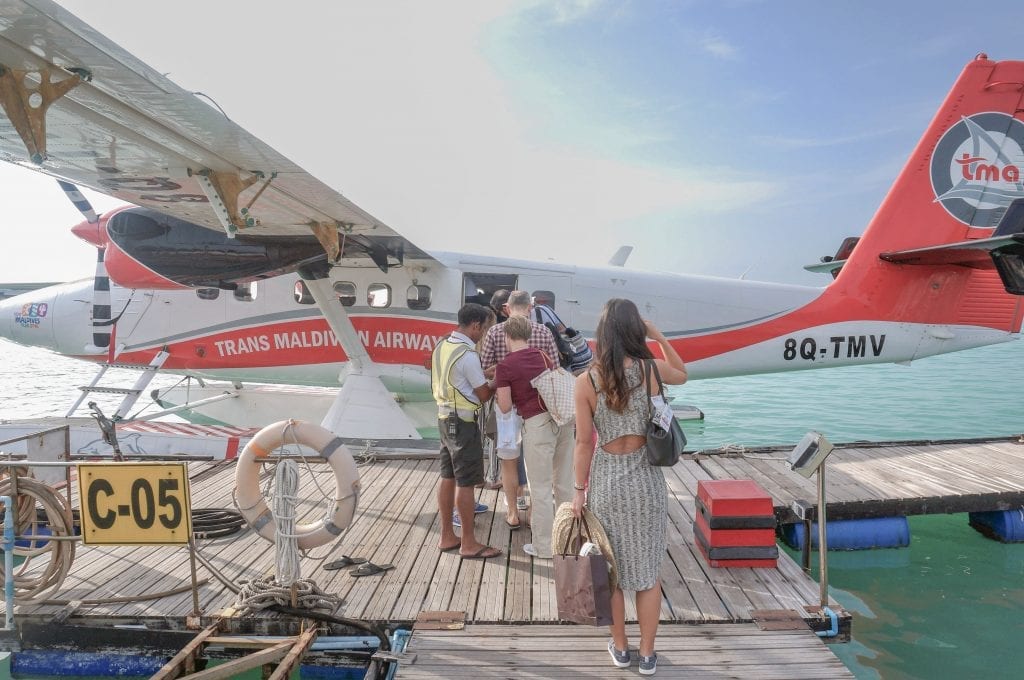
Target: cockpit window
{"x": 246, "y": 292}
{"x": 302, "y": 294}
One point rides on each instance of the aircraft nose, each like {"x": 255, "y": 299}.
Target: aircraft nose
{"x": 91, "y": 232}
{"x": 26, "y": 319}
{"x": 6, "y": 320}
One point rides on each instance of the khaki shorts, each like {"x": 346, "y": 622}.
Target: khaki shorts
{"x": 462, "y": 456}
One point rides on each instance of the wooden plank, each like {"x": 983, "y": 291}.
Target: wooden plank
{"x": 545, "y": 598}
{"x": 544, "y": 651}
{"x": 231, "y": 669}
{"x": 394, "y": 520}
{"x": 414, "y": 542}
{"x": 729, "y": 593}
{"x": 467, "y": 582}
{"x": 184, "y": 661}
{"x": 518, "y": 585}
{"x": 490, "y": 602}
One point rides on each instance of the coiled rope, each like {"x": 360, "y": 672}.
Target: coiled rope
{"x": 287, "y": 588}
{"x": 30, "y": 584}
{"x": 264, "y": 593}
{"x": 285, "y": 540}
{"x": 732, "y": 449}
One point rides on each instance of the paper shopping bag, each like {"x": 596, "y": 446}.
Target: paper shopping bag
{"x": 581, "y": 584}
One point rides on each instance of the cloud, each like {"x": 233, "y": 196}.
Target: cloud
{"x": 784, "y": 142}
{"x": 422, "y": 132}
{"x": 571, "y": 11}
{"x": 717, "y": 46}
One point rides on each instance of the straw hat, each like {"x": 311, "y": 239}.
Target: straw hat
{"x": 562, "y": 527}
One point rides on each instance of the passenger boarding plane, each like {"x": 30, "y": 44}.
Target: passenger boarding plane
{"x": 241, "y": 266}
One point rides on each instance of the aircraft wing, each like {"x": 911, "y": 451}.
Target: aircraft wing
{"x": 99, "y": 117}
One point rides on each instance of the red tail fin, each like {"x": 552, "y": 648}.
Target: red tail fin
{"x": 956, "y": 186}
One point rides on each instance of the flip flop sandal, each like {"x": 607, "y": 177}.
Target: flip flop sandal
{"x": 345, "y": 561}
{"x": 451, "y": 548}
{"x": 513, "y": 527}
{"x": 371, "y": 569}
{"x": 481, "y": 554}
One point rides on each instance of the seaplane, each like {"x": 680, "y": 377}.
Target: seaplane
{"x": 234, "y": 264}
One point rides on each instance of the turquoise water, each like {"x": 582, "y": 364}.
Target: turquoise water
{"x": 949, "y": 606}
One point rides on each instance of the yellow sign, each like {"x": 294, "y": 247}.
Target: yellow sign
{"x": 134, "y": 504}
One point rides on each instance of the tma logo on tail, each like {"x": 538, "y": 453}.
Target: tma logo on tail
{"x": 976, "y": 168}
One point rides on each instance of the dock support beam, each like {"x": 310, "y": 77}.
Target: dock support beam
{"x": 289, "y": 651}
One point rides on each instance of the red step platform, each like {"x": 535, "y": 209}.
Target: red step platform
{"x": 728, "y": 538}
{"x": 735, "y": 524}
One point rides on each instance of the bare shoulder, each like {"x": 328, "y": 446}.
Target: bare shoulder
{"x": 584, "y": 384}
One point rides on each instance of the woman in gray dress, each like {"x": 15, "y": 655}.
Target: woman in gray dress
{"x": 616, "y": 482}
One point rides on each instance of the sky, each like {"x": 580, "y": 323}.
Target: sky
{"x": 734, "y": 138}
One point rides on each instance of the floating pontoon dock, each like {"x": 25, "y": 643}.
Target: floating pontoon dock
{"x": 513, "y": 597}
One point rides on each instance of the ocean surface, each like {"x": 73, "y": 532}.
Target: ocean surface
{"x": 949, "y": 606}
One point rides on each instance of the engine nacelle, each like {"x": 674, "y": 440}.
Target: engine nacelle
{"x": 147, "y": 249}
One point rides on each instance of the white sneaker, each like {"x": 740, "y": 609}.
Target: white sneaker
{"x": 532, "y": 552}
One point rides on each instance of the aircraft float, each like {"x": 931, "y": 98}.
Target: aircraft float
{"x": 236, "y": 264}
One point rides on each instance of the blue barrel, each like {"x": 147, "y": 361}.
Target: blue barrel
{"x": 853, "y": 534}
{"x": 67, "y": 664}
{"x": 84, "y": 664}
{"x": 1006, "y": 526}
{"x": 37, "y": 530}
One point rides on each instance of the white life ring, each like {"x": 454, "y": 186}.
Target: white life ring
{"x": 253, "y": 506}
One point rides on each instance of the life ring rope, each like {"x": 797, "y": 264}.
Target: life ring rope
{"x": 252, "y": 502}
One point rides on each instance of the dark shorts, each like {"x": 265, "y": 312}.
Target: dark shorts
{"x": 462, "y": 456}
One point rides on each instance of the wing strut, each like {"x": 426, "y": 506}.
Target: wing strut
{"x": 364, "y": 407}
{"x": 27, "y": 115}
{"x": 223, "y": 188}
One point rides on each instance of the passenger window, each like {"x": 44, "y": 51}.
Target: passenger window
{"x": 246, "y": 292}
{"x": 208, "y": 293}
{"x": 346, "y": 292}
{"x": 418, "y": 297}
{"x": 378, "y": 295}
{"x": 544, "y": 297}
{"x": 302, "y": 294}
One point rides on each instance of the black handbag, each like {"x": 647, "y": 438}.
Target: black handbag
{"x": 663, "y": 446}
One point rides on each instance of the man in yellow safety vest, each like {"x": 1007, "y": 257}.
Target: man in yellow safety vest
{"x": 459, "y": 387}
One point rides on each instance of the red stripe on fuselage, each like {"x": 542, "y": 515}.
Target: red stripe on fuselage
{"x": 901, "y": 293}
{"x": 388, "y": 340}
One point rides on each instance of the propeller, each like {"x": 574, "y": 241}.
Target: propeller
{"x": 80, "y": 201}
{"x": 101, "y": 323}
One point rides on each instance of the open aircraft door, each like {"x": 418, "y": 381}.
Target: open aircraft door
{"x": 553, "y": 289}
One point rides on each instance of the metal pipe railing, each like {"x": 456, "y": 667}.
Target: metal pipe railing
{"x": 8, "y": 547}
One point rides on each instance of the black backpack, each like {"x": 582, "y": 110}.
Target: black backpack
{"x": 574, "y": 353}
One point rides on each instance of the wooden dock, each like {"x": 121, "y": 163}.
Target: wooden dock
{"x": 719, "y": 651}
{"x": 887, "y": 479}
{"x": 710, "y": 616}
{"x": 397, "y": 524}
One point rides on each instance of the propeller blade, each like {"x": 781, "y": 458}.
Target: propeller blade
{"x": 101, "y": 318}
{"x": 80, "y": 201}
